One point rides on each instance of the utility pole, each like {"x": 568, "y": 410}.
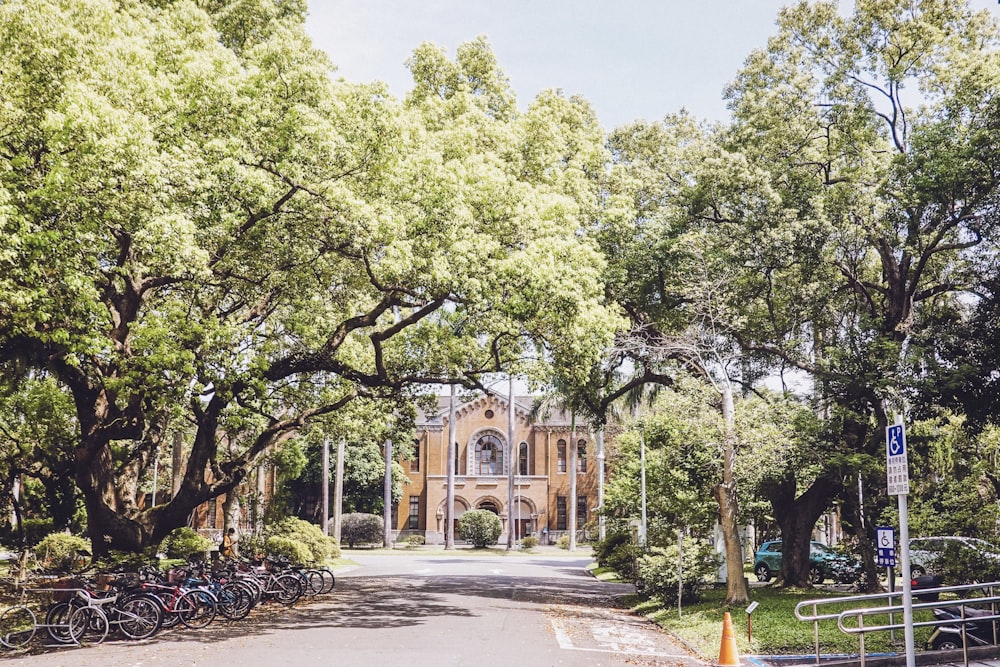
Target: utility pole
{"x": 338, "y": 490}
{"x": 510, "y": 463}
{"x": 573, "y": 463}
{"x": 449, "y": 501}
{"x": 326, "y": 486}
{"x": 387, "y": 497}
{"x": 642, "y": 485}
{"x": 601, "y": 528}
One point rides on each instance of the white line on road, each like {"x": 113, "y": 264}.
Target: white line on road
{"x": 627, "y": 642}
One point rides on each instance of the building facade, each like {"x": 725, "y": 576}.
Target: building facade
{"x": 541, "y": 457}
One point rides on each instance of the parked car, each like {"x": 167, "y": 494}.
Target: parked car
{"x": 824, "y": 563}
{"x": 926, "y": 552}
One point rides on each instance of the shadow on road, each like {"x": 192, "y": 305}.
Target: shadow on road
{"x": 399, "y": 601}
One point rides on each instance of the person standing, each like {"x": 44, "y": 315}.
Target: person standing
{"x": 228, "y": 548}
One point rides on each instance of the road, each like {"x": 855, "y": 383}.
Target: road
{"x": 417, "y": 610}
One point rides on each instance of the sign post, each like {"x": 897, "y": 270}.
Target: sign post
{"x": 885, "y": 545}
{"x": 898, "y": 481}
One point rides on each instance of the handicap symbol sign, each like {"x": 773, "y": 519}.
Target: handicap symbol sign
{"x": 895, "y": 440}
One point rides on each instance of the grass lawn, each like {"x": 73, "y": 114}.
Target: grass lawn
{"x": 775, "y": 629}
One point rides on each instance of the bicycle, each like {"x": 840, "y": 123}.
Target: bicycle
{"x": 133, "y": 614}
{"x": 19, "y": 624}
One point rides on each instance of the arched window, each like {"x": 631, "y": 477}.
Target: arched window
{"x": 561, "y": 456}
{"x": 522, "y": 459}
{"x": 581, "y": 456}
{"x": 489, "y": 456}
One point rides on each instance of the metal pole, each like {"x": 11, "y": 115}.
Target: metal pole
{"x": 642, "y": 471}
{"x": 680, "y": 570}
{"x": 904, "y": 548}
{"x": 574, "y": 455}
{"x": 510, "y": 462}
{"x": 904, "y": 552}
{"x": 601, "y": 528}
{"x": 338, "y": 490}
{"x": 387, "y": 498}
{"x": 449, "y": 498}
{"x": 326, "y": 486}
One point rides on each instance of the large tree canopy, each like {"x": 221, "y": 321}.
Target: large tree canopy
{"x": 201, "y": 224}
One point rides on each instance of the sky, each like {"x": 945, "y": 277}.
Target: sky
{"x": 632, "y": 59}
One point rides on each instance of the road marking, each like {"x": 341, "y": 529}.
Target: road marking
{"x": 612, "y": 637}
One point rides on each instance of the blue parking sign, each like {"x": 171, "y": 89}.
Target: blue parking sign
{"x": 896, "y": 466}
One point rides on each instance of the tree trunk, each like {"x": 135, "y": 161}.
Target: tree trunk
{"x": 796, "y": 517}
{"x": 176, "y": 463}
{"x": 725, "y": 495}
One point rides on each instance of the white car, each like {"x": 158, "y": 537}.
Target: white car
{"x": 925, "y": 551}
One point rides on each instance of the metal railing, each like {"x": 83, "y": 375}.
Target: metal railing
{"x": 892, "y": 608}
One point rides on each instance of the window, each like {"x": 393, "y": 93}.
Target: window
{"x": 581, "y": 511}
{"x": 414, "y": 521}
{"x": 522, "y": 459}
{"x": 581, "y": 456}
{"x": 415, "y": 461}
{"x": 560, "y": 512}
{"x": 489, "y": 456}
{"x": 561, "y": 456}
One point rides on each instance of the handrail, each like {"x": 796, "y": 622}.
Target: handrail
{"x": 891, "y": 609}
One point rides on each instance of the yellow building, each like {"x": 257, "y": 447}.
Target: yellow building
{"x": 541, "y": 460}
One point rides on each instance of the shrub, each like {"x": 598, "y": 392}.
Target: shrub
{"x": 298, "y": 552}
{"x": 959, "y": 564}
{"x": 185, "y": 543}
{"x": 63, "y": 552}
{"x": 414, "y": 540}
{"x": 36, "y": 529}
{"x": 563, "y": 542}
{"x": 656, "y": 571}
{"x": 251, "y": 545}
{"x": 619, "y": 553}
{"x": 321, "y": 546}
{"x": 123, "y": 561}
{"x": 480, "y": 527}
{"x": 529, "y": 542}
{"x": 360, "y": 528}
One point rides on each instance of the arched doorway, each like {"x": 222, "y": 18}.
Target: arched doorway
{"x": 461, "y": 507}
{"x": 521, "y": 518}
{"x": 489, "y": 506}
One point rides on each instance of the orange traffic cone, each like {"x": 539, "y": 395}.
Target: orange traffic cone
{"x": 729, "y": 656}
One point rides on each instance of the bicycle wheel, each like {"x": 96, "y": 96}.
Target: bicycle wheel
{"x": 235, "y": 601}
{"x": 196, "y": 609}
{"x": 88, "y": 625}
{"x": 17, "y": 627}
{"x": 57, "y": 622}
{"x": 329, "y": 581}
{"x": 313, "y": 582}
{"x": 139, "y": 617}
{"x": 255, "y": 586}
{"x": 286, "y": 588}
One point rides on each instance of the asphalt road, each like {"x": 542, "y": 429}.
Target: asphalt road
{"x": 417, "y": 610}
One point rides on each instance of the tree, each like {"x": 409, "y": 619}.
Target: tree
{"x": 203, "y": 226}
{"x": 868, "y": 215}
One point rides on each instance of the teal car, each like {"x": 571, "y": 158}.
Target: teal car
{"x": 824, "y": 563}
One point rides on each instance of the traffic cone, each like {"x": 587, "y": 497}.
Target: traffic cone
{"x": 729, "y": 656}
